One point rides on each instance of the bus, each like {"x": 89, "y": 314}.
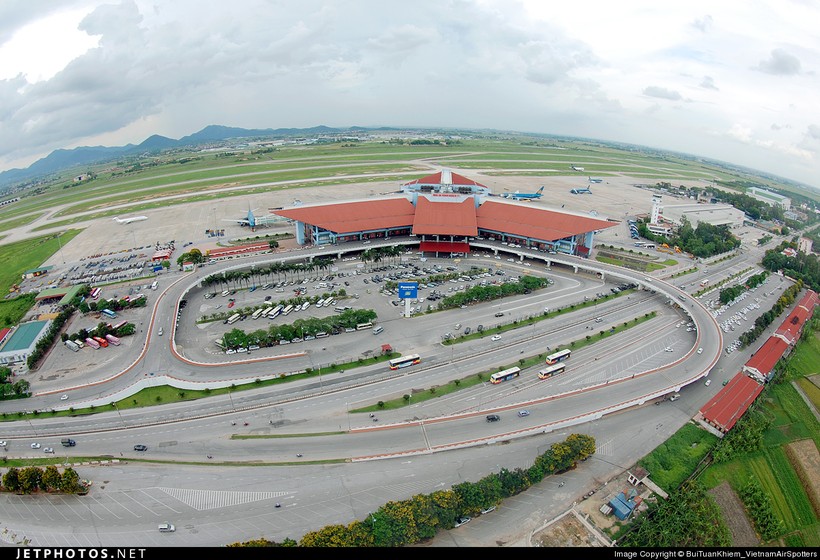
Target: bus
{"x": 95, "y": 293}
{"x": 275, "y": 312}
{"x": 640, "y": 243}
{"x": 559, "y": 356}
{"x": 108, "y": 313}
{"x": 363, "y": 326}
{"x": 258, "y": 312}
{"x": 505, "y": 375}
{"x": 101, "y": 341}
{"x": 234, "y": 318}
{"x": 549, "y": 371}
{"x": 118, "y": 326}
{"x": 320, "y": 303}
{"x": 404, "y": 361}
{"x": 287, "y": 310}
{"x": 220, "y": 343}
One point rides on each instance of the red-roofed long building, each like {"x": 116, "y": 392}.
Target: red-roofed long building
{"x": 725, "y": 409}
{"x": 445, "y": 221}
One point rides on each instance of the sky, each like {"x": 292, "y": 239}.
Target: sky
{"x": 733, "y": 80}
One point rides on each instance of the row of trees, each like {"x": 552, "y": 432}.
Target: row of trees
{"x": 300, "y": 328}
{"x": 476, "y": 294}
{"x": 407, "y": 522}
{"x": 28, "y": 480}
{"x": 733, "y": 292}
{"x": 257, "y": 275}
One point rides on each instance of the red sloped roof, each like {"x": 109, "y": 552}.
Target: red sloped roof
{"x": 767, "y": 355}
{"x": 435, "y": 179}
{"x": 793, "y": 324}
{"x": 347, "y": 217}
{"x": 731, "y": 402}
{"x": 526, "y": 221}
{"x": 445, "y": 218}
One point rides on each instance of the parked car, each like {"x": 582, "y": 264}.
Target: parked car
{"x": 462, "y": 520}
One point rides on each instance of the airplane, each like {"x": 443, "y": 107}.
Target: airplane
{"x": 129, "y": 220}
{"x": 595, "y": 180}
{"x": 581, "y": 191}
{"x": 254, "y": 222}
{"x": 525, "y": 196}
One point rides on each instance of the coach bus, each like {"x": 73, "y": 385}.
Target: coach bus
{"x": 234, "y": 318}
{"x": 505, "y": 375}
{"x": 95, "y": 293}
{"x": 549, "y": 371}
{"x": 404, "y": 361}
{"x": 108, "y": 313}
{"x": 287, "y": 310}
{"x": 559, "y": 356}
{"x": 363, "y": 326}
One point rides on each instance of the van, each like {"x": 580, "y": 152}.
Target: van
{"x": 378, "y": 329}
{"x": 225, "y": 293}
{"x": 166, "y": 528}
{"x": 674, "y": 397}
{"x": 68, "y": 442}
{"x": 599, "y": 319}
{"x": 80, "y": 344}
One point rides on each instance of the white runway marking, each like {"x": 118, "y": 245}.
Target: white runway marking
{"x": 213, "y": 499}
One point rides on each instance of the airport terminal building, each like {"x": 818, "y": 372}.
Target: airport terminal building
{"x": 445, "y": 220}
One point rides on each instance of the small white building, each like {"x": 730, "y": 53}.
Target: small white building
{"x": 770, "y": 198}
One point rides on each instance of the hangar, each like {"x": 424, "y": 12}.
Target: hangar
{"x": 445, "y": 221}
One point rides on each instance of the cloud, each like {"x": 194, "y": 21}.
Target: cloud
{"x": 662, "y": 93}
{"x": 708, "y": 83}
{"x": 813, "y": 132}
{"x": 703, "y": 24}
{"x": 781, "y": 63}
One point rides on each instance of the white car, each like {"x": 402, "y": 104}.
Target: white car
{"x": 48, "y": 450}
{"x": 4, "y": 444}
{"x": 35, "y": 445}
{"x": 64, "y": 398}
{"x": 495, "y": 338}
{"x": 700, "y": 350}
{"x": 708, "y": 382}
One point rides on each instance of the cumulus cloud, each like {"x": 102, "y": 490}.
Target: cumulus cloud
{"x": 780, "y": 63}
{"x": 708, "y": 83}
{"x": 813, "y": 132}
{"x": 662, "y": 93}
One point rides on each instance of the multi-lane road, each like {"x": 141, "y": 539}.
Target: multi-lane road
{"x": 421, "y": 447}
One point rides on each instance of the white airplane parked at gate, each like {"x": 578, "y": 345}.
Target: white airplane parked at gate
{"x": 129, "y": 220}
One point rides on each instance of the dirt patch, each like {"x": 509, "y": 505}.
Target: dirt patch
{"x": 743, "y": 534}
{"x": 568, "y": 531}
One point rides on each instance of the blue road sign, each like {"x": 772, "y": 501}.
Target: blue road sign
{"x": 408, "y": 290}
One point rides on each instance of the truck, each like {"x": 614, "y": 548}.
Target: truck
{"x": 92, "y": 343}
{"x": 704, "y": 282}
{"x": 112, "y": 339}
{"x": 72, "y": 346}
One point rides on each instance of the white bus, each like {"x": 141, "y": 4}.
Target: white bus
{"x": 234, "y": 318}
{"x": 363, "y": 326}
{"x": 320, "y": 303}
{"x": 258, "y": 312}
{"x": 287, "y": 310}
{"x": 275, "y": 312}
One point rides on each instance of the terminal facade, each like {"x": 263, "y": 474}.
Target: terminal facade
{"x": 446, "y": 211}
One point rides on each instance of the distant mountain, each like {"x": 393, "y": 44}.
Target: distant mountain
{"x": 61, "y": 160}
